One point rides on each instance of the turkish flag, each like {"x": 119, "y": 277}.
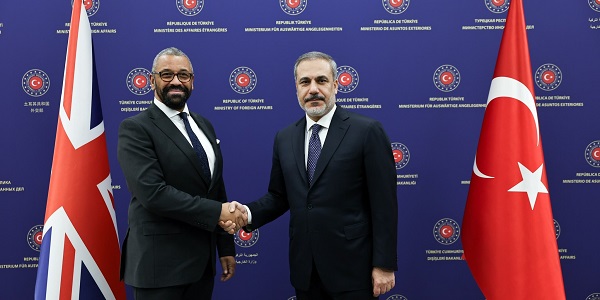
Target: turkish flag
{"x": 508, "y": 230}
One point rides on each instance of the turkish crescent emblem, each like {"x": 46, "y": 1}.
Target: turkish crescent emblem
{"x": 36, "y": 82}
{"x": 245, "y": 235}
{"x": 510, "y": 88}
{"x": 242, "y": 80}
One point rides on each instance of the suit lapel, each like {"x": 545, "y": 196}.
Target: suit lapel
{"x": 335, "y": 135}
{"x": 164, "y": 124}
{"x": 213, "y": 142}
{"x": 298, "y": 140}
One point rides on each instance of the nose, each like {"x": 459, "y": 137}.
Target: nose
{"x": 176, "y": 81}
{"x": 313, "y": 89}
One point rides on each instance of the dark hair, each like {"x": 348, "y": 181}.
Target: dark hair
{"x": 171, "y": 51}
{"x": 313, "y": 55}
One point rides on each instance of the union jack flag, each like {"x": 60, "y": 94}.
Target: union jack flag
{"x": 80, "y": 253}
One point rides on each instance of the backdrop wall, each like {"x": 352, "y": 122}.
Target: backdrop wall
{"x": 423, "y": 68}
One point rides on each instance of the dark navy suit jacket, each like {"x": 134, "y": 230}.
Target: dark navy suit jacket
{"x": 173, "y": 214}
{"x": 346, "y": 222}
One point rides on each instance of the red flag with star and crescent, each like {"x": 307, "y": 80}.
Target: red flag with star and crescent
{"x": 79, "y": 255}
{"x": 508, "y": 234}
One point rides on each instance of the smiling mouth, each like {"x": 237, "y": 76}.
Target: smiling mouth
{"x": 176, "y": 91}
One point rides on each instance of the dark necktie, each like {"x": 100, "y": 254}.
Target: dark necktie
{"x": 314, "y": 150}
{"x": 197, "y": 146}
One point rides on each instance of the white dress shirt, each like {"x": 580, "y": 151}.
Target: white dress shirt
{"x": 174, "y": 116}
{"x": 325, "y": 122}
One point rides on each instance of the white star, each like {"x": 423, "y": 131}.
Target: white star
{"x": 532, "y": 183}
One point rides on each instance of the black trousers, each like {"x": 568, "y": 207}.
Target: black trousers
{"x": 199, "y": 290}
{"x": 317, "y": 291}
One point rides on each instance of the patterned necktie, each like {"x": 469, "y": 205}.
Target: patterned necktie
{"x": 314, "y": 150}
{"x": 197, "y": 146}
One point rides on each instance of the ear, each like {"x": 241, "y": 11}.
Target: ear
{"x": 152, "y": 83}
{"x": 335, "y": 86}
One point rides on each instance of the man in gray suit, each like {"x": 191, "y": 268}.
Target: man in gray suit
{"x": 172, "y": 163}
{"x": 338, "y": 180}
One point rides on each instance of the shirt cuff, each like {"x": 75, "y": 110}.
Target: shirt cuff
{"x": 249, "y": 214}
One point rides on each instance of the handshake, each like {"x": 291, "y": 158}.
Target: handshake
{"x": 233, "y": 217}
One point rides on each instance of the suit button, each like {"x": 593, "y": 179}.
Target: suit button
{"x": 309, "y": 206}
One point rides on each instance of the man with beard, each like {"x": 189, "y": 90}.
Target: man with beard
{"x": 334, "y": 171}
{"x": 172, "y": 163}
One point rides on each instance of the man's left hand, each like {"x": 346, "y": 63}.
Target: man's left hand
{"x": 383, "y": 281}
{"x": 228, "y": 264}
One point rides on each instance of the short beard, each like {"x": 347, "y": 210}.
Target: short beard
{"x": 318, "y": 111}
{"x": 175, "y": 102}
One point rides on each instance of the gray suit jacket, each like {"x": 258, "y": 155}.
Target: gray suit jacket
{"x": 173, "y": 213}
{"x": 346, "y": 222}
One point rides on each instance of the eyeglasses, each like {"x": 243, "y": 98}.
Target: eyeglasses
{"x": 169, "y": 76}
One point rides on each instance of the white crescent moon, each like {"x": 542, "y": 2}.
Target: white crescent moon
{"x": 477, "y": 172}
{"x": 242, "y": 80}
{"x": 445, "y": 231}
{"x": 547, "y": 77}
{"x": 595, "y": 154}
{"x": 510, "y": 88}
{"x": 244, "y": 234}
{"x": 344, "y": 79}
{"x": 445, "y": 78}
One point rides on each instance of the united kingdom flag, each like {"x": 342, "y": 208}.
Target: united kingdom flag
{"x": 80, "y": 253}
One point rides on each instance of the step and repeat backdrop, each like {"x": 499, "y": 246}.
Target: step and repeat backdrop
{"x": 423, "y": 68}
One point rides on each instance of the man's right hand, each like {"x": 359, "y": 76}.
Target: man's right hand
{"x": 233, "y": 217}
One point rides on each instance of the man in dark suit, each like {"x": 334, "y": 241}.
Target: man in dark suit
{"x": 173, "y": 167}
{"x": 342, "y": 203}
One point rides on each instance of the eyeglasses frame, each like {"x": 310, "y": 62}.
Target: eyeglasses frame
{"x": 175, "y": 74}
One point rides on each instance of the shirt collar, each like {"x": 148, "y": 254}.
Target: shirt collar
{"x": 324, "y": 121}
{"x": 169, "y": 112}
